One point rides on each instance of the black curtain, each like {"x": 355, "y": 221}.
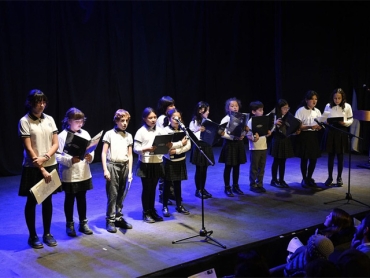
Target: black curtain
{"x": 100, "y": 56}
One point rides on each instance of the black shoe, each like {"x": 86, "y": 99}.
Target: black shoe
{"x": 165, "y": 212}
{"x": 207, "y": 194}
{"x": 35, "y": 242}
{"x": 121, "y": 223}
{"x": 147, "y": 217}
{"x": 305, "y": 183}
{"x": 283, "y": 184}
{"x": 237, "y": 190}
{"x": 312, "y": 183}
{"x": 70, "y": 229}
{"x": 199, "y": 194}
{"x": 228, "y": 191}
{"x": 329, "y": 182}
{"x": 84, "y": 228}
{"x": 262, "y": 189}
{"x": 156, "y": 216}
{"x": 49, "y": 240}
{"x": 256, "y": 189}
{"x": 339, "y": 182}
{"x": 111, "y": 227}
{"x": 276, "y": 183}
{"x": 182, "y": 210}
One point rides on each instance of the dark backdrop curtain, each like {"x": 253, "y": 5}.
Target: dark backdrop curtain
{"x": 100, "y": 56}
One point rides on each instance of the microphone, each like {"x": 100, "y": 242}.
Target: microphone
{"x": 320, "y": 124}
{"x": 181, "y": 125}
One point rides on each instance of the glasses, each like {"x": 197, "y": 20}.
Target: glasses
{"x": 78, "y": 121}
{"x": 285, "y": 108}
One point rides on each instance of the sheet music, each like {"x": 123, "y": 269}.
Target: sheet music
{"x": 42, "y": 190}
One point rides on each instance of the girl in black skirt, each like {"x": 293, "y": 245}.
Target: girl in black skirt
{"x": 196, "y": 157}
{"x": 232, "y": 152}
{"x": 150, "y": 166}
{"x": 336, "y": 141}
{"x": 281, "y": 147}
{"x": 39, "y": 136}
{"x": 175, "y": 164}
{"x": 307, "y": 145}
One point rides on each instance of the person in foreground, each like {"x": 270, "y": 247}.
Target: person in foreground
{"x": 39, "y": 136}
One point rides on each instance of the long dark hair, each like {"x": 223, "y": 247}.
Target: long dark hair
{"x": 281, "y": 103}
{"x": 341, "y": 220}
{"x": 163, "y": 103}
{"x": 197, "y": 116}
{"x": 338, "y": 91}
{"x": 309, "y": 95}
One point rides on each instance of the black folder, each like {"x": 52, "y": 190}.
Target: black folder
{"x": 290, "y": 124}
{"x": 78, "y": 146}
{"x": 212, "y": 132}
{"x": 237, "y": 123}
{"x": 160, "y": 142}
{"x": 178, "y": 136}
{"x": 334, "y": 120}
{"x": 261, "y": 125}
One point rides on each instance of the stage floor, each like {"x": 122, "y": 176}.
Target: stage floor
{"x": 148, "y": 248}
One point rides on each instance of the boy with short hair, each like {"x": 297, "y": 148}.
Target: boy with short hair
{"x": 258, "y": 151}
{"x": 117, "y": 166}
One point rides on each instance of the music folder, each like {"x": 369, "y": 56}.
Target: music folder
{"x": 178, "y": 136}
{"x": 334, "y": 120}
{"x": 78, "y": 146}
{"x": 160, "y": 142}
{"x": 237, "y": 123}
{"x": 212, "y": 132}
{"x": 290, "y": 124}
{"x": 261, "y": 125}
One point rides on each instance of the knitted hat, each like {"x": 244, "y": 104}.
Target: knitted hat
{"x": 319, "y": 246}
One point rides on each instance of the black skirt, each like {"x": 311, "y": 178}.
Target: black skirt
{"x": 336, "y": 141}
{"x": 75, "y": 187}
{"x": 175, "y": 170}
{"x": 307, "y": 145}
{"x": 197, "y": 158}
{"x": 233, "y": 153}
{"x": 31, "y": 176}
{"x": 281, "y": 146}
{"x": 149, "y": 170}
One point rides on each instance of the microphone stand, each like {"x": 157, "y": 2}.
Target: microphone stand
{"x": 203, "y": 232}
{"x": 350, "y": 136}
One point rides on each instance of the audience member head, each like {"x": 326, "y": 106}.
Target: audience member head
{"x": 251, "y": 264}
{"x": 336, "y": 221}
{"x": 362, "y": 234}
{"x": 321, "y": 268}
{"x": 354, "y": 263}
{"x": 318, "y": 246}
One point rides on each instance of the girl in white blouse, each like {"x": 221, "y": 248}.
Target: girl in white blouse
{"x": 337, "y": 141}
